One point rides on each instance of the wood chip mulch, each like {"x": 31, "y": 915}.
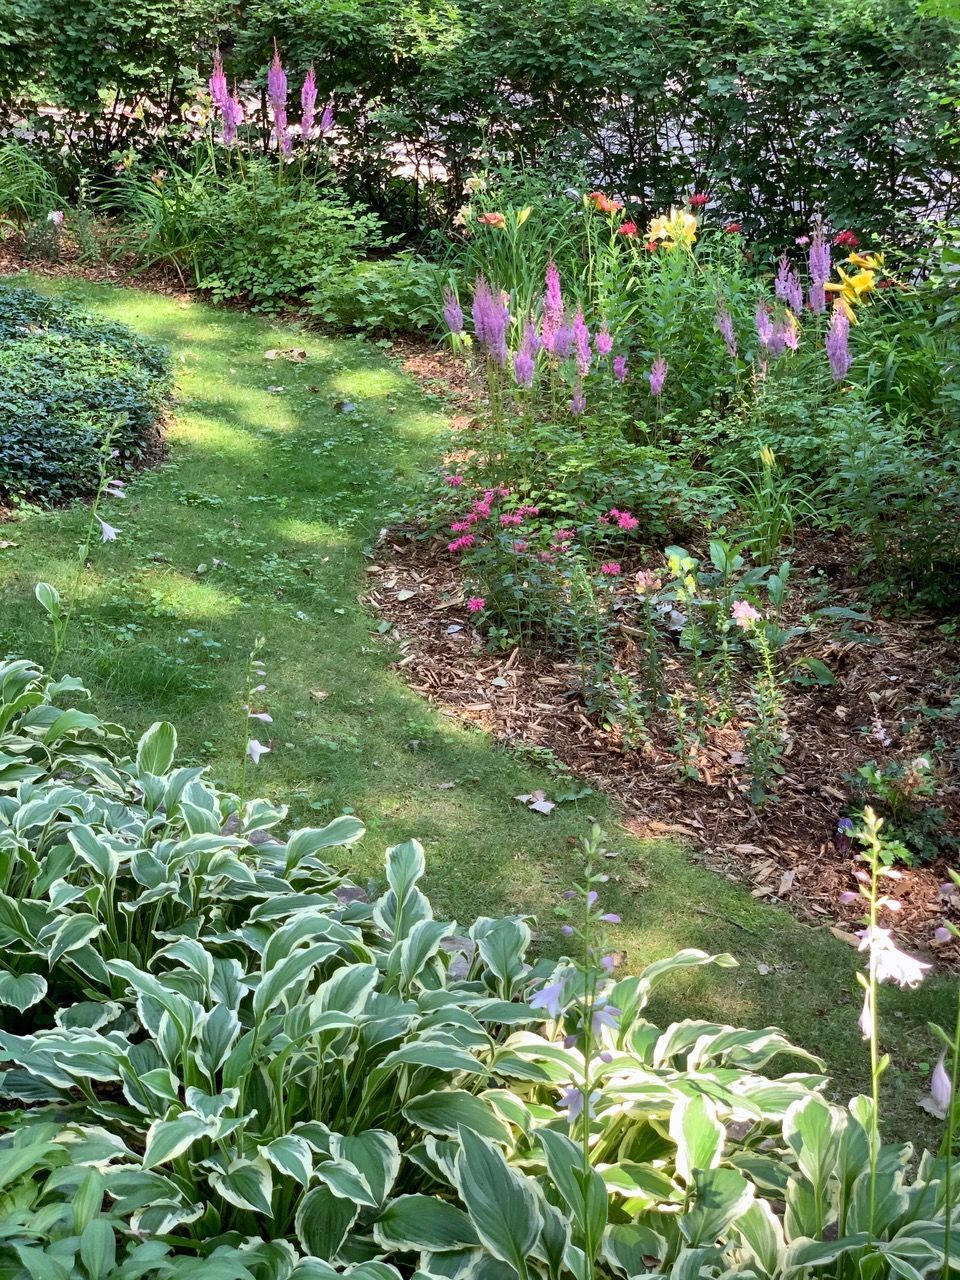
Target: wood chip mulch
{"x": 786, "y": 851}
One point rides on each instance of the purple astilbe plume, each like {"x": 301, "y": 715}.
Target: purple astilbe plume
{"x": 232, "y": 119}
{"x": 620, "y": 368}
{"x": 581, "y": 344}
{"x": 726, "y": 329}
{"x": 603, "y": 341}
{"x": 578, "y": 401}
{"x": 491, "y": 315}
{"x": 308, "y": 102}
{"x": 326, "y": 119}
{"x": 452, "y": 311}
{"x": 819, "y": 255}
{"x": 277, "y": 95}
{"x": 838, "y": 350}
{"x": 562, "y": 343}
{"x": 658, "y": 375}
{"x": 787, "y": 285}
{"x": 790, "y": 331}
{"x": 218, "y": 84}
{"x": 764, "y": 323}
{"x": 817, "y": 297}
{"x": 523, "y": 368}
{"x": 552, "y": 307}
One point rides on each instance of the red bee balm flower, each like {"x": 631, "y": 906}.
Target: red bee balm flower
{"x": 733, "y": 227}
{"x": 698, "y": 200}
{"x": 627, "y": 228}
{"x": 846, "y": 240}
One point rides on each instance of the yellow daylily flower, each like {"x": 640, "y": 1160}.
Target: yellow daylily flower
{"x": 523, "y": 215}
{"x": 676, "y": 228}
{"x": 852, "y": 290}
{"x": 872, "y": 261}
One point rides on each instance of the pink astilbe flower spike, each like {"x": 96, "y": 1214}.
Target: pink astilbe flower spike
{"x": 658, "y": 376}
{"x": 326, "y": 119}
{"x": 218, "y": 83}
{"x": 308, "y": 102}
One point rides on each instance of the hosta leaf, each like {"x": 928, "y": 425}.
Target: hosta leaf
{"x": 98, "y": 1248}
{"x": 720, "y": 1197}
{"x": 346, "y": 1181}
{"x": 283, "y": 979}
{"x": 501, "y": 1202}
{"x": 421, "y": 1053}
{"x": 75, "y": 932}
{"x": 762, "y": 1233}
{"x": 247, "y": 1184}
{"x": 423, "y": 1222}
{"x": 698, "y": 1133}
{"x": 585, "y": 1193}
{"x": 167, "y": 1139}
{"x": 23, "y": 991}
{"x": 290, "y": 1155}
{"x": 343, "y": 830}
{"x": 446, "y": 1111}
{"x": 419, "y": 947}
{"x": 322, "y": 1222}
{"x": 157, "y": 748}
{"x": 812, "y": 1129}
{"x": 502, "y": 945}
{"x": 376, "y": 1154}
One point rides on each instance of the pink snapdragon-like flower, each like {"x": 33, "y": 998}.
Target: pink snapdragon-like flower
{"x": 744, "y": 614}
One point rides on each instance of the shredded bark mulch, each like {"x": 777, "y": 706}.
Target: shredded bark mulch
{"x": 883, "y": 705}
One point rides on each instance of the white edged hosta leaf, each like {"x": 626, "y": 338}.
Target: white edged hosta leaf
{"x": 21, "y": 991}
{"x": 292, "y": 1156}
{"x": 247, "y": 1184}
{"x": 423, "y": 1222}
{"x": 585, "y": 1195}
{"x": 346, "y": 1181}
{"x": 157, "y": 748}
{"x": 343, "y": 830}
{"x": 322, "y": 1222}
{"x": 283, "y": 980}
{"x": 420, "y": 945}
{"x": 74, "y": 932}
{"x": 98, "y": 1249}
{"x": 812, "y": 1129}
{"x": 375, "y": 1153}
{"x": 167, "y": 1139}
{"x": 698, "y": 1134}
{"x": 762, "y": 1233}
{"x": 446, "y": 1111}
{"x": 720, "y": 1196}
{"x": 502, "y": 1205}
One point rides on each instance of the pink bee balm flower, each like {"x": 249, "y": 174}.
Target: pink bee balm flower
{"x": 610, "y": 568}
{"x": 520, "y": 544}
{"x": 453, "y": 481}
{"x": 462, "y": 543}
{"x": 626, "y": 521}
{"x": 475, "y": 604}
{"x": 744, "y": 614}
{"x": 511, "y": 518}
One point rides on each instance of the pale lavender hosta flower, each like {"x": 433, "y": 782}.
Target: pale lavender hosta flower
{"x": 256, "y": 749}
{"x": 658, "y": 375}
{"x": 941, "y": 1090}
{"x": 867, "y": 1020}
{"x": 837, "y": 343}
{"x": 549, "y": 999}
{"x": 571, "y": 1102}
{"x": 308, "y": 102}
{"x": 725, "y": 326}
{"x": 452, "y": 311}
{"x": 787, "y": 285}
{"x": 603, "y": 1015}
{"x": 115, "y": 488}
{"x": 581, "y": 344}
{"x": 219, "y": 94}
{"x": 620, "y": 368}
{"x": 265, "y": 716}
{"x": 603, "y": 340}
{"x": 889, "y": 963}
{"x": 610, "y": 918}
{"x": 107, "y": 532}
{"x": 608, "y": 963}
{"x": 592, "y": 898}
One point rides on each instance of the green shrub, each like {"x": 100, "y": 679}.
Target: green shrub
{"x": 390, "y": 295}
{"x": 26, "y": 188}
{"x": 249, "y": 230}
{"x": 67, "y": 381}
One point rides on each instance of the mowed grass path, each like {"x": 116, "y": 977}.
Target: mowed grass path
{"x": 261, "y": 522}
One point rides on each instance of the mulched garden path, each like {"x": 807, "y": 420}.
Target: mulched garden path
{"x": 878, "y": 709}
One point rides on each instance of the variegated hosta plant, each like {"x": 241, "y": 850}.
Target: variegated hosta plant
{"x": 222, "y": 1059}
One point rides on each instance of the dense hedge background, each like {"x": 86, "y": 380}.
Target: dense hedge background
{"x": 67, "y": 381}
{"x": 773, "y": 108}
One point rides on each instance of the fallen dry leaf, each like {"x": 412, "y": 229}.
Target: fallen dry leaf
{"x": 537, "y": 801}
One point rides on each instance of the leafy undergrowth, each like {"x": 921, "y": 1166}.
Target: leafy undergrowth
{"x": 278, "y": 479}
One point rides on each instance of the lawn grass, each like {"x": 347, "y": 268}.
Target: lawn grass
{"x": 262, "y": 521}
